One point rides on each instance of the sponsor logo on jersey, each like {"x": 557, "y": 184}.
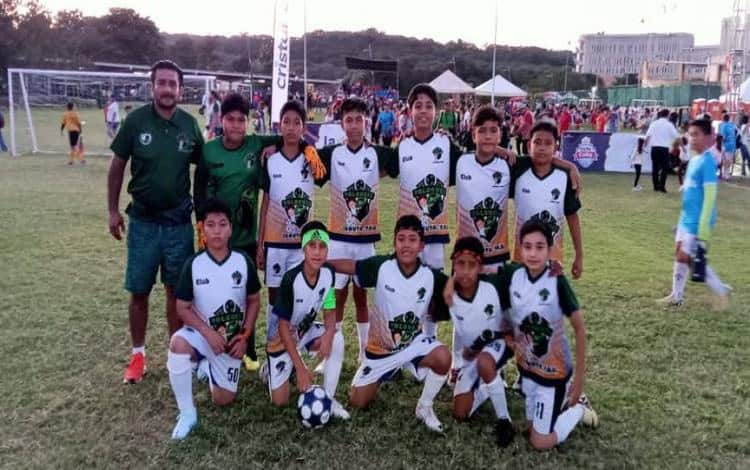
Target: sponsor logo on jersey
{"x": 404, "y": 329}
{"x": 544, "y": 295}
{"x": 299, "y": 301}
{"x": 185, "y": 144}
{"x": 305, "y": 171}
{"x": 438, "y": 153}
{"x": 358, "y": 197}
{"x": 406, "y": 158}
{"x": 538, "y": 332}
{"x": 389, "y": 288}
{"x": 201, "y": 282}
{"x": 547, "y": 219}
{"x": 465, "y": 177}
{"x": 297, "y": 205}
{"x": 276, "y": 175}
{"x": 555, "y": 194}
{"x": 340, "y": 163}
{"x": 249, "y": 161}
{"x": 430, "y": 196}
{"x": 237, "y": 278}
{"x": 276, "y": 268}
{"x": 497, "y": 176}
{"x": 145, "y": 138}
{"x": 525, "y": 190}
{"x": 486, "y": 217}
{"x": 227, "y": 319}
{"x": 516, "y": 294}
{"x": 585, "y": 153}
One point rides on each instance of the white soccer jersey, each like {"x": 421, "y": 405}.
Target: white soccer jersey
{"x": 299, "y": 303}
{"x": 330, "y": 134}
{"x": 548, "y": 199}
{"x": 482, "y": 191}
{"x": 477, "y": 321}
{"x": 289, "y": 185}
{"x": 219, "y": 289}
{"x": 400, "y": 302}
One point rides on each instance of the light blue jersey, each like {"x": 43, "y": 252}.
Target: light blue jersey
{"x": 729, "y": 132}
{"x": 701, "y": 171}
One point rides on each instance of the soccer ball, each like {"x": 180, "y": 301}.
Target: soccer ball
{"x": 314, "y": 408}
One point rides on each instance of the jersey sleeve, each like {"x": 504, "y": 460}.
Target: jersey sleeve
{"x": 198, "y": 149}
{"x": 252, "y": 286}
{"x": 571, "y": 204}
{"x": 184, "y": 289}
{"x": 387, "y": 160}
{"x": 264, "y": 179}
{"x": 522, "y": 165}
{"x": 438, "y": 309}
{"x": 568, "y": 300}
{"x": 200, "y": 183}
{"x": 330, "y": 301}
{"x": 284, "y": 305}
{"x": 367, "y": 270}
{"x": 710, "y": 180}
{"x": 122, "y": 144}
{"x": 455, "y": 153}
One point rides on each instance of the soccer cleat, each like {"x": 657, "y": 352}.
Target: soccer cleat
{"x": 338, "y": 411}
{"x": 250, "y": 364}
{"x": 504, "y": 432}
{"x": 590, "y": 418}
{"x": 263, "y": 372}
{"x": 670, "y": 301}
{"x": 185, "y": 423}
{"x": 136, "y": 369}
{"x": 201, "y": 371}
{"x": 427, "y": 415}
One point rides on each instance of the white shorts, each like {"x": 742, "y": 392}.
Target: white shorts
{"x": 279, "y": 261}
{"x": 468, "y": 375}
{"x": 544, "y": 403}
{"x": 280, "y": 366}
{"x": 687, "y": 241}
{"x": 433, "y": 256}
{"x": 223, "y": 369}
{"x": 381, "y": 369}
{"x": 347, "y": 250}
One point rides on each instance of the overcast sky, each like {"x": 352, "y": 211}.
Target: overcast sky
{"x": 545, "y": 23}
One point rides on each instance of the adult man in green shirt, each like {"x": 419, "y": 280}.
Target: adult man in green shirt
{"x": 161, "y": 141}
{"x": 448, "y": 119}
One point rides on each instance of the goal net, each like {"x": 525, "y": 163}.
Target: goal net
{"x": 37, "y": 99}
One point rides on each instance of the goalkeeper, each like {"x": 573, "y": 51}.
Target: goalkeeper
{"x": 71, "y": 122}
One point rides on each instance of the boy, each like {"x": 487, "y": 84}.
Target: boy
{"x": 72, "y": 123}
{"x": 354, "y": 171}
{"x": 218, "y": 298}
{"x": 292, "y": 329}
{"x": 545, "y": 192}
{"x": 697, "y": 220}
{"x": 406, "y": 294}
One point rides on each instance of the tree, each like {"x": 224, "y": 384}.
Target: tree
{"x": 125, "y": 36}
{"x": 8, "y": 20}
{"x": 34, "y": 35}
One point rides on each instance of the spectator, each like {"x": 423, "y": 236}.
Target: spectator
{"x": 3, "y": 147}
{"x": 449, "y": 119}
{"x": 601, "y": 119}
{"x": 385, "y": 124}
{"x": 744, "y": 143}
{"x": 728, "y": 131}
{"x": 112, "y": 117}
{"x": 564, "y": 120}
{"x": 661, "y": 135}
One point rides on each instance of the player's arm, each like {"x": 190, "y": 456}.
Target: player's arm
{"x": 265, "y": 185}
{"x": 709, "y": 201}
{"x": 344, "y": 266}
{"x": 200, "y": 184}
{"x": 387, "y": 161}
{"x": 571, "y": 206}
{"x": 304, "y": 376}
{"x": 439, "y": 309}
{"x": 329, "y": 320}
{"x": 122, "y": 148}
{"x": 62, "y": 124}
{"x": 186, "y": 310}
{"x": 579, "y": 330}
{"x": 238, "y": 344}
{"x": 455, "y": 154}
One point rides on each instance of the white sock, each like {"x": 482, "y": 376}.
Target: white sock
{"x": 139, "y": 349}
{"x": 480, "y": 396}
{"x": 332, "y": 367}
{"x": 567, "y": 421}
{"x": 458, "y": 360}
{"x": 714, "y": 283}
{"x": 432, "y": 385}
{"x": 679, "y": 279}
{"x": 181, "y": 378}
{"x": 429, "y": 328}
{"x": 338, "y": 325}
{"x": 363, "y": 330}
{"x": 496, "y": 391}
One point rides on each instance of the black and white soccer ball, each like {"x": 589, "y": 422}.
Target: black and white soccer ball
{"x": 314, "y": 408}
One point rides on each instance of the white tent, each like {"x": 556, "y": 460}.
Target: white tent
{"x": 448, "y": 83}
{"x": 745, "y": 91}
{"x": 503, "y": 88}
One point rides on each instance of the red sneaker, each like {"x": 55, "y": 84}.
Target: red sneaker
{"x": 136, "y": 369}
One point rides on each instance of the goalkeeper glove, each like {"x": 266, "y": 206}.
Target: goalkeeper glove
{"x": 700, "y": 260}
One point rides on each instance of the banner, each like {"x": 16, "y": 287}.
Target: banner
{"x": 588, "y": 150}
{"x": 280, "y": 79}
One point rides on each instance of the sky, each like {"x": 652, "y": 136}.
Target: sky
{"x": 545, "y": 23}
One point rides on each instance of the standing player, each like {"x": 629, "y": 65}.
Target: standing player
{"x": 406, "y": 293}
{"x": 218, "y": 300}
{"x": 305, "y": 290}
{"x": 697, "y": 220}
{"x": 72, "y": 123}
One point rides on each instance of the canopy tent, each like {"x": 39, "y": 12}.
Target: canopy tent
{"x": 503, "y": 88}
{"x": 448, "y": 83}
{"x": 745, "y": 91}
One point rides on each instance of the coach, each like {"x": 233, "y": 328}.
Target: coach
{"x": 661, "y": 135}
{"x": 161, "y": 141}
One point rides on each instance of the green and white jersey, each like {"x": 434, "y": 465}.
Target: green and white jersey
{"x": 219, "y": 290}
{"x": 400, "y": 303}
{"x": 299, "y": 302}
{"x": 477, "y": 321}
{"x": 289, "y": 184}
{"x": 539, "y": 306}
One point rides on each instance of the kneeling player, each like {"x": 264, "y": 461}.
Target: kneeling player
{"x": 477, "y": 314}
{"x": 218, "y": 300}
{"x": 305, "y": 289}
{"x": 406, "y": 291}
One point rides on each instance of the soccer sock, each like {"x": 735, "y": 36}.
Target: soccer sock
{"x": 432, "y": 385}
{"x": 480, "y": 396}
{"x": 363, "y": 330}
{"x": 567, "y": 421}
{"x": 181, "y": 378}
{"x": 679, "y": 278}
{"x": 429, "y": 328}
{"x": 332, "y": 367}
{"x": 458, "y": 360}
{"x": 140, "y": 349}
{"x": 496, "y": 391}
{"x": 714, "y": 283}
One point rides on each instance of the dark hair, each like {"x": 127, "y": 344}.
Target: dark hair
{"x": 312, "y": 225}
{"x": 166, "y": 65}
{"x": 214, "y": 206}
{"x": 535, "y": 226}
{"x": 719, "y": 141}
{"x": 235, "y": 102}
{"x": 69, "y": 106}
{"x": 353, "y": 105}
{"x": 471, "y": 244}
{"x": 422, "y": 89}
{"x": 409, "y": 222}
{"x": 662, "y": 113}
{"x": 294, "y": 106}
{"x": 641, "y": 144}
{"x": 744, "y": 119}
{"x": 703, "y": 124}
{"x": 725, "y": 117}
{"x": 484, "y": 114}
{"x": 544, "y": 126}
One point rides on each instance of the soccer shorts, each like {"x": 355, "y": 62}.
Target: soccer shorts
{"x": 687, "y": 241}
{"x": 280, "y": 366}
{"x": 347, "y": 250}
{"x": 223, "y": 369}
{"x": 432, "y": 255}
{"x": 544, "y": 402}
{"x": 378, "y": 369}
{"x": 468, "y": 375}
{"x": 279, "y": 261}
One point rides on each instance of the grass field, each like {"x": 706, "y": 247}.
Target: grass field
{"x": 671, "y": 386}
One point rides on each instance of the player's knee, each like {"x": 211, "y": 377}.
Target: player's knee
{"x": 358, "y": 399}
{"x": 540, "y": 441}
{"x": 177, "y": 344}
{"x": 486, "y": 367}
{"x": 222, "y": 398}
{"x": 440, "y": 360}
{"x": 460, "y": 413}
{"x": 279, "y": 399}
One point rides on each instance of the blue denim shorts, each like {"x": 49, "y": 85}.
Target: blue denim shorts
{"x": 156, "y": 247}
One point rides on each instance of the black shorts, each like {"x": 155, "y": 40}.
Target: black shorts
{"x": 73, "y": 138}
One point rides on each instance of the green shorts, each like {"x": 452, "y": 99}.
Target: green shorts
{"x": 153, "y": 247}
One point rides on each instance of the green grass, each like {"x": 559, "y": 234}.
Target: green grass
{"x": 670, "y": 386}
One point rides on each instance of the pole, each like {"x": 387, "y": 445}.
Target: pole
{"x": 28, "y": 113}
{"x": 494, "y": 56}
{"x": 304, "y": 48}
{"x": 11, "y": 115}
{"x": 565, "y": 79}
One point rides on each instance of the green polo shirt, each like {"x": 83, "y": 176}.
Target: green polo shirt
{"x": 233, "y": 176}
{"x": 160, "y": 153}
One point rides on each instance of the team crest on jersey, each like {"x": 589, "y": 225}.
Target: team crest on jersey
{"x": 276, "y": 268}
{"x": 489, "y": 310}
{"x": 538, "y": 332}
{"x": 366, "y": 163}
{"x": 227, "y": 319}
{"x": 403, "y": 329}
{"x": 555, "y": 194}
{"x": 544, "y": 295}
{"x": 358, "y": 197}
{"x": 547, "y": 219}
{"x": 438, "y": 153}
{"x": 497, "y": 176}
{"x": 145, "y": 138}
{"x": 185, "y": 144}
{"x": 250, "y": 161}
{"x": 421, "y": 292}
{"x": 486, "y": 216}
{"x": 297, "y": 205}
{"x": 237, "y": 278}
{"x": 280, "y": 366}
{"x": 430, "y": 195}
